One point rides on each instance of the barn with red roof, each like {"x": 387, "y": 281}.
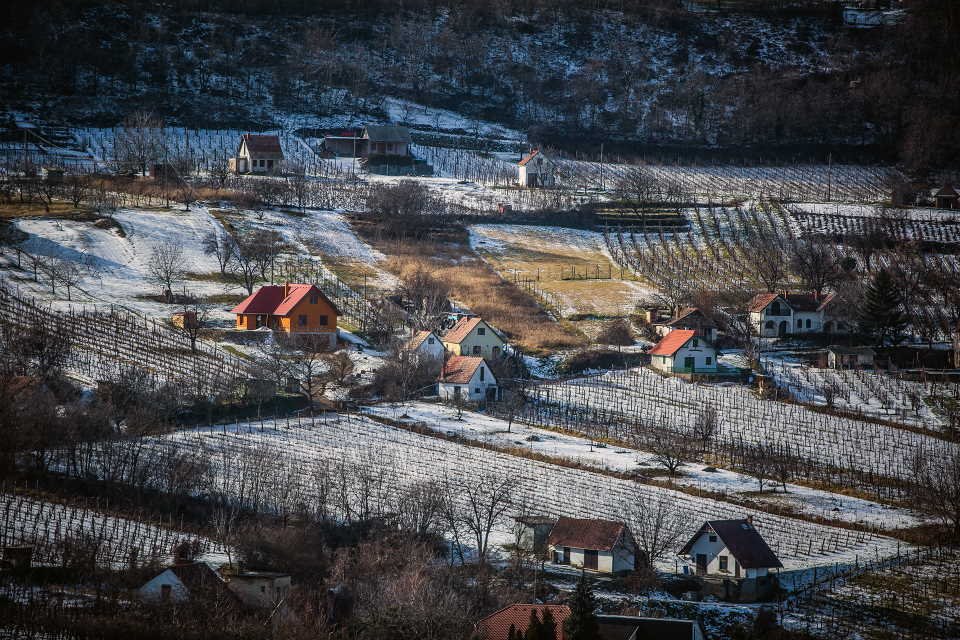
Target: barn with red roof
{"x": 291, "y": 308}
{"x": 683, "y": 351}
{"x": 604, "y": 546}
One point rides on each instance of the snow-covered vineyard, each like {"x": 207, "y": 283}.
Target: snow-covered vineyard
{"x": 353, "y": 467}
{"x": 637, "y": 404}
{"x": 62, "y": 535}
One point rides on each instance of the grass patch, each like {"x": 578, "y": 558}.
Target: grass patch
{"x": 224, "y": 298}
{"x": 229, "y": 348}
{"x": 33, "y": 210}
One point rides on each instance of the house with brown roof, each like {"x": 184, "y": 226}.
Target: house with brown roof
{"x": 257, "y": 154}
{"x": 596, "y": 545}
{"x": 291, "y": 308}
{"x": 467, "y": 378}
{"x": 733, "y": 556}
{"x": 775, "y": 315}
{"x": 472, "y": 336}
{"x": 535, "y": 170}
{"x": 689, "y": 318}
{"x": 497, "y": 625}
{"x": 425, "y": 344}
{"x": 386, "y": 140}
{"x": 683, "y": 351}
{"x": 947, "y": 197}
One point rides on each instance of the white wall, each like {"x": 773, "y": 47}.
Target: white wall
{"x": 620, "y": 559}
{"x": 713, "y": 551}
{"x": 473, "y": 392}
{"x": 260, "y": 592}
{"x": 152, "y": 590}
{"x": 700, "y": 354}
{"x": 434, "y": 350}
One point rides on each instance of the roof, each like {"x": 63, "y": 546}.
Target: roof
{"x": 946, "y": 191}
{"x": 262, "y": 144}
{"x": 271, "y": 300}
{"x": 418, "y": 339}
{"x": 527, "y": 158}
{"x": 744, "y": 541}
{"x": 601, "y": 535}
{"x": 460, "y": 369}
{"x": 461, "y": 330}
{"x": 760, "y": 301}
{"x": 796, "y": 301}
{"x": 388, "y": 133}
{"x": 687, "y": 315}
{"x": 623, "y": 627}
{"x": 496, "y": 626}
{"x": 200, "y": 579}
{"x": 672, "y": 342}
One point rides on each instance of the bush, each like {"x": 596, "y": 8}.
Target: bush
{"x": 588, "y": 359}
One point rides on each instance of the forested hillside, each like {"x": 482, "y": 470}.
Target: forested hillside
{"x": 665, "y": 72}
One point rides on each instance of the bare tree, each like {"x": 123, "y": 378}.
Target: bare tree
{"x": 936, "y": 486}
{"x": 76, "y": 189}
{"x": 221, "y": 245}
{"x": 194, "y": 318}
{"x": 816, "y": 263}
{"x": 300, "y": 360}
{"x": 670, "y": 453}
{"x": 426, "y": 298}
{"x": 69, "y": 273}
{"x": 166, "y": 267}
{"x": 618, "y": 333}
{"x": 479, "y": 506}
{"x": 138, "y": 142}
{"x": 707, "y": 425}
{"x": 657, "y": 524}
{"x": 758, "y": 462}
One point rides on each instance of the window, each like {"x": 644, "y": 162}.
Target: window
{"x": 263, "y": 589}
{"x": 696, "y": 342}
{"x": 769, "y": 324}
{"x": 476, "y": 349}
{"x": 713, "y": 538}
{"x": 708, "y": 361}
{"x": 165, "y": 590}
{"x": 477, "y": 390}
{"x": 723, "y": 563}
{"x": 323, "y": 321}
{"x": 269, "y": 164}
{"x": 430, "y": 341}
{"x": 799, "y": 323}
{"x": 481, "y": 331}
{"x": 808, "y": 323}
{"x": 481, "y": 373}
{"x": 496, "y": 351}
{"x": 302, "y": 320}
{"x": 314, "y": 299}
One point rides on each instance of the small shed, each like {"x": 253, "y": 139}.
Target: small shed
{"x": 604, "y": 546}
{"x": 425, "y": 344}
{"x": 535, "y": 170}
{"x": 185, "y": 319}
{"x": 467, "y": 378}
{"x": 387, "y": 140}
{"x": 947, "y": 197}
{"x": 836, "y": 357}
{"x": 683, "y": 351}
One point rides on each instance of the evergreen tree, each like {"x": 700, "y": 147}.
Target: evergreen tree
{"x": 582, "y": 623}
{"x": 881, "y": 315}
{"x": 533, "y": 627}
{"x": 548, "y": 626}
{"x": 513, "y": 634}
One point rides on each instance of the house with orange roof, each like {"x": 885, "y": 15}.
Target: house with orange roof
{"x": 425, "y": 344}
{"x": 683, "y": 351}
{"x": 535, "y": 170}
{"x": 467, "y": 378}
{"x": 497, "y": 625}
{"x": 782, "y": 314}
{"x": 472, "y": 336}
{"x": 257, "y": 154}
{"x": 291, "y": 308}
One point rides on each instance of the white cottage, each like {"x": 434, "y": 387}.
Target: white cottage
{"x": 185, "y": 582}
{"x": 425, "y": 344}
{"x": 729, "y": 549}
{"x": 535, "y": 170}
{"x": 257, "y": 154}
{"x": 683, "y": 351}
{"x": 472, "y": 336}
{"x": 467, "y": 378}
{"x": 596, "y": 545}
{"x": 787, "y": 314}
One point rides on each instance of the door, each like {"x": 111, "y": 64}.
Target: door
{"x": 782, "y": 331}
{"x": 591, "y": 559}
{"x": 701, "y": 564}
{"x": 688, "y": 363}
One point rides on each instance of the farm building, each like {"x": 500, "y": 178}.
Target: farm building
{"x": 425, "y": 344}
{"x": 467, "y": 378}
{"x": 733, "y": 556}
{"x": 534, "y": 531}
{"x": 836, "y": 357}
{"x": 52, "y": 175}
{"x": 258, "y": 589}
{"x": 292, "y": 308}
{"x": 257, "y": 154}
{"x": 535, "y": 170}
{"x": 185, "y": 582}
{"x": 497, "y": 625}
{"x": 344, "y": 144}
{"x": 474, "y": 337}
{"x": 596, "y": 545}
{"x": 947, "y": 197}
{"x": 682, "y": 351}
{"x": 786, "y": 314}
{"x": 689, "y": 318}
{"x": 387, "y": 140}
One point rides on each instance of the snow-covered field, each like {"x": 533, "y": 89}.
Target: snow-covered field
{"x": 493, "y": 431}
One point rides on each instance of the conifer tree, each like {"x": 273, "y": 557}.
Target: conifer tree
{"x": 548, "y": 626}
{"x": 881, "y": 315}
{"x": 582, "y": 622}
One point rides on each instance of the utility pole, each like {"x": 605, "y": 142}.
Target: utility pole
{"x": 601, "y": 167}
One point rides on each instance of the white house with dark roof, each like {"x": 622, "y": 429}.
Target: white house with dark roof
{"x": 729, "y": 548}
{"x": 788, "y": 314}
{"x": 535, "y": 170}
{"x": 467, "y": 378}
{"x": 257, "y": 154}
{"x": 604, "y": 546}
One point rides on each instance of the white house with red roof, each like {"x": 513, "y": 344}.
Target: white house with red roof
{"x": 775, "y": 315}
{"x": 257, "y": 154}
{"x": 291, "y": 308}
{"x": 604, "y": 546}
{"x": 425, "y": 344}
{"x": 472, "y": 336}
{"x": 467, "y": 378}
{"x": 683, "y": 351}
{"x": 535, "y": 170}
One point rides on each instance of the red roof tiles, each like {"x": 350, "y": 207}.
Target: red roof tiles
{"x": 497, "y": 625}
{"x": 672, "y": 342}
{"x": 418, "y": 338}
{"x": 601, "y": 535}
{"x": 262, "y": 144}
{"x": 461, "y": 330}
{"x": 530, "y": 156}
{"x": 460, "y": 369}
{"x": 278, "y": 300}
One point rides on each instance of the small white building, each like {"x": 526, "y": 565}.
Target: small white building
{"x": 425, "y": 344}
{"x": 467, "y": 378}
{"x": 729, "y": 549}
{"x": 535, "y": 170}
{"x": 257, "y": 154}
{"x": 259, "y": 589}
{"x": 596, "y": 545}
{"x": 185, "y": 582}
{"x": 683, "y": 351}
{"x": 774, "y": 315}
{"x": 471, "y": 336}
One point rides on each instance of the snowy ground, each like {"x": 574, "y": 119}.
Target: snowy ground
{"x": 476, "y": 426}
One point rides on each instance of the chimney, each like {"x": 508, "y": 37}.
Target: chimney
{"x": 750, "y": 520}
{"x": 286, "y": 289}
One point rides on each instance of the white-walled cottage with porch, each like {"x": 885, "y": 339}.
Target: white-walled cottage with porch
{"x": 467, "y": 378}
{"x": 683, "y": 351}
{"x": 257, "y": 154}
{"x": 596, "y": 545}
{"x": 775, "y": 315}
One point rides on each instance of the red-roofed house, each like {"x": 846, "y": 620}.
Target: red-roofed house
{"x": 683, "y": 351}
{"x": 257, "y": 154}
{"x": 597, "y": 545}
{"x": 425, "y": 344}
{"x": 688, "y": 318}
{"x": 474, "y": 337}
{"x": 293, "y": 308}
{"x": 467, "y": 378}
{"x": 496, "y": 626}
{"x": 535, "y": 170}
{"x": 785, "y": 314}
